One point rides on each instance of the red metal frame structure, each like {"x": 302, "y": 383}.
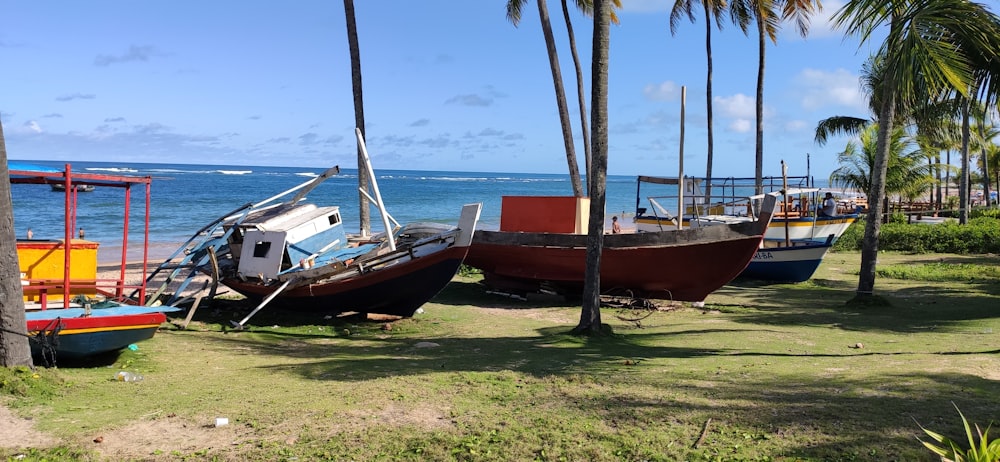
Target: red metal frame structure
{"x": 70, "y": 179}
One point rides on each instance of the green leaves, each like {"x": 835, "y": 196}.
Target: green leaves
{"x": 982, "y": 450}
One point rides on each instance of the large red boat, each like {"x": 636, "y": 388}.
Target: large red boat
{"x": 540, "y": 247}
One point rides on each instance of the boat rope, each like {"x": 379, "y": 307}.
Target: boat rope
{"x": 47, "y": 340}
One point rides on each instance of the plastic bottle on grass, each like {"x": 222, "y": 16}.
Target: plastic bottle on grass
{"x": 126, "y": 376}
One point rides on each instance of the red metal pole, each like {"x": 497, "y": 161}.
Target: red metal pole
{"x": 145, "y": 247}
{"x": 68, "y": 221}
{"x": 121, "y": 277}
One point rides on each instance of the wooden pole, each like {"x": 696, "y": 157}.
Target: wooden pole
{"x": 680, "y": 169}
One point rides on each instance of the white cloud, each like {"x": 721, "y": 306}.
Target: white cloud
{"x": 822, "y": 24}
{"x": 795, "y": 125}
{"x": 736, "y": 106}
{"x": 665, "y": 91}
{"x": 645, "y": 6}
{"x": 821, "y": 88}
{"x": 740, "y": 125}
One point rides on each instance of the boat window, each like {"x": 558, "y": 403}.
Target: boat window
{"x": 334, "y": 218}
{"x": 261, "y": 248}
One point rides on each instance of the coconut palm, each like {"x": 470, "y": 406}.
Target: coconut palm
{"x": 359, "y": 114}
{"x": 14, "y": 348}
{"x": 989, "y": 162}
{"x": 514, "y": 8}
{"x": 588, "y": 7}
{"x": 926, "y": 51}
{"x": 590, "y": 312}
{"x": 907, "y": 174}
{"x": 714, "y": 10}
{"x": 765, "y": 14}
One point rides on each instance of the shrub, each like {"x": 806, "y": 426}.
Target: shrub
{"x": 980, "y": 235}
{"x": 949, "y": 450}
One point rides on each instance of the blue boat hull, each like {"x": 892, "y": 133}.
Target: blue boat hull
{"x": 786, "y": 264}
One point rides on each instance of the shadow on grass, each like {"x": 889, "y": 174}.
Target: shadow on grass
{"x": 825, "y": 302}
{"x": 849, "y": 414}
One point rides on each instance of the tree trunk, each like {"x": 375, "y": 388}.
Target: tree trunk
{"x": 759, "y": 150}
{"x": 876, "y": 195}
{"x": 963, "y": 185}
{"x": 709, "y": 152}
{"x": 947, "y": 175}
{"x": 364, "y": 212}
{"x": 937, "y": 171}
{"x": 986, "y": 162}
{"x": 584, "y": 126}
{"x": 14, "y": 348}
{"x": 557, "y": 81}
{"x": 590, "y": 314}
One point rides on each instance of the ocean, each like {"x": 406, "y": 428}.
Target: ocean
{"x": 186, "y": 197}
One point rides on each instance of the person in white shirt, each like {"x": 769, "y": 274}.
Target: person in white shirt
{"x": 829, "y": 207}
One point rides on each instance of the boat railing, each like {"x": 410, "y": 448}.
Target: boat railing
{"x": 37, "y": 292}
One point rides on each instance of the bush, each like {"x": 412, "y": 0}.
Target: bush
{"x": 980, "y": 235}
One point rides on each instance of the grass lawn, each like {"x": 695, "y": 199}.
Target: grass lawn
{"x": 761, "y": 373}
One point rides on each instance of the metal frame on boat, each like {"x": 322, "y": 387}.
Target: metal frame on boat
{"x": 95, "y": 316}
{"x": 297, "y": 254}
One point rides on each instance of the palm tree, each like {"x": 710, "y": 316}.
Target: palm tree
{"x": 907, "y": 174}
{"x": 14, "y": 348}
{"x": 714, "y": 10}
{"x": 926, "y": 52}
{"x": 764, "y": 13}
{"x": 590, "y": 313}
{"x": 989, "y": 161}
{"x": 587, "y": 7}
{"x": 359, "y": 115}
{"x": 514, "y": 16}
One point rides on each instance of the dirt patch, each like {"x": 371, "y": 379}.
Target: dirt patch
{"x": 164, "y": 437}
{"x": 20, "y": 433}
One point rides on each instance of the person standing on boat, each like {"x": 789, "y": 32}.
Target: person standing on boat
{"x": 616, "y": 228}
{"x": 829, "y": 207}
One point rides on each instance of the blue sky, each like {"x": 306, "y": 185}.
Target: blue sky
{"x": 448, "y": 85}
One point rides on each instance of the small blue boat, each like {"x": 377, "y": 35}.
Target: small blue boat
{"x": 795, "y": 263}
{"x": 75, "y": 333}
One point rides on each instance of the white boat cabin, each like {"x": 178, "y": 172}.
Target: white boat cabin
{"x": 279, "y": 239}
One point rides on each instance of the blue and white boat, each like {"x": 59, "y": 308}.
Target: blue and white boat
{"x": 795, "y": 263}
{"x": 795, "y": 219}
{"x": 795, "y": 242}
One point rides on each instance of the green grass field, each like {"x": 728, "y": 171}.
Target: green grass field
{"x": 761, "y": 373}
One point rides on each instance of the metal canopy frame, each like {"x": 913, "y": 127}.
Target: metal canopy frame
{"x": 32, "y": 174}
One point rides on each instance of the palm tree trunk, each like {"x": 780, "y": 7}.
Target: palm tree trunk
{"x": 937, "y": 171}
{"x": 14, "y": 348}
{"x": 557, "y": 81}
{"x": 876, "y": 195}
{"x": 590, "y": 313}
{"x": 963, "y": 186}
{"x": 584, "y": 127}
{"x": 708, "y": 101}
{"x": 759, "y": 149}
{"x": 986, "y": 162}
{"x": 947, "y": 175}
{"x": 364, "y": 213}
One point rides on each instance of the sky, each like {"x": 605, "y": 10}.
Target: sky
{"x": 448, "y": 85}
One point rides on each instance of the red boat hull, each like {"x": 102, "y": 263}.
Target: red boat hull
{"x": 684, "y": 265}
{"x": 685, "y": 273}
